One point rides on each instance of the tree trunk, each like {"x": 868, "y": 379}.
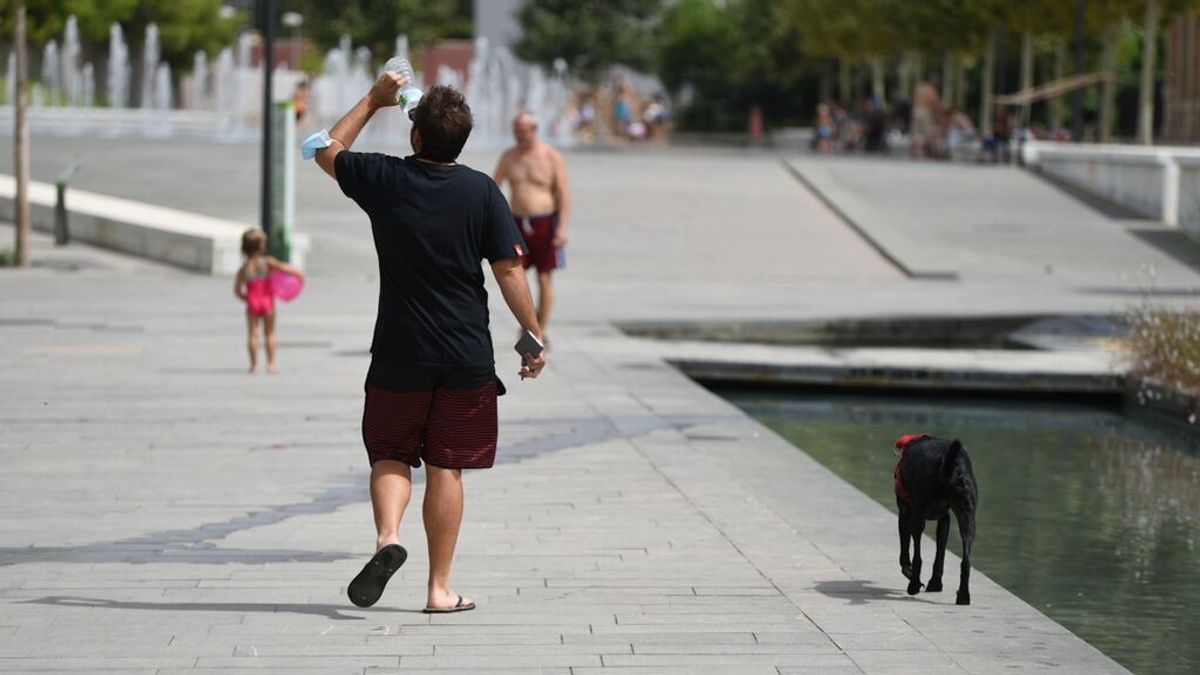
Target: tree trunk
{"x": 844, "y": 84}
{"x": 948, "y": 78}
{"x": 21, "y": 137}
{"x": 985, "y": 86}
{"x": 1146, "y": 92}
{"x": 877, "y": 84}
{"x": 1077, "y": 95}
{"x": 1026, "y": 73}
{"x": 960, "y": 84}
{"x": 918, "y": 72}
{"x": 1108, "y": 88}
{"x": 825, "y": 86}
{"x": 1060, "y": 65}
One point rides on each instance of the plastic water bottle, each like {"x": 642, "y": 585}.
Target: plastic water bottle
{"x": 409, "y": 96}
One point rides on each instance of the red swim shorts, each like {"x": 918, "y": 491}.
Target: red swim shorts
{"x": 538, "y": 232}
{"x": 445, "y": 416}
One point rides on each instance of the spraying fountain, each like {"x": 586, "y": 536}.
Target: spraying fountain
{"x": 72, "y": 77}
{"x": 51, "y": 75}
{"x": 199, "y": 94}
{"x": 87, "y": 86}
{"x": 118, "y": 68}
{"x": 221, "y": 97}
{"x": 150, "y": 59}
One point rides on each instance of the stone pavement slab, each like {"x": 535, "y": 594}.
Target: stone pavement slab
{"x": 169, "y": 512}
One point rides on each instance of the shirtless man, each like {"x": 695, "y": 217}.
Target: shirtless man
{"x": 537, "y": 176}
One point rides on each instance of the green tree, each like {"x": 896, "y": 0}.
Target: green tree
{"x": 703, "y": 45}
{"x": 46, "y": 19}
{"x": 185, "y": 26}
{"x": 377, "y": 23}
{"x": 589, "y": 35}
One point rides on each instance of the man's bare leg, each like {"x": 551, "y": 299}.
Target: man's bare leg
{"x": 545, "y": 299}
{"x": 252, "y": 340}
{"x": 269, "y": 329}
{"x": 391, "y": 488}
{"x": 443, "y": 511}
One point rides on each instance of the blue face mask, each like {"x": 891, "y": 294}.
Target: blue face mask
{"x": 310, "y": 146}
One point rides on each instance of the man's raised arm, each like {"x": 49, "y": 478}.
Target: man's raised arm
{"x": 345, "y": 132}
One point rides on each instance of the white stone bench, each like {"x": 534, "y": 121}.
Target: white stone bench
{"x": 187, "y": 240}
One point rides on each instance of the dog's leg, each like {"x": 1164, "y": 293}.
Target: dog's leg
{"x": 966, "y": 527}
{"x": 939, "y": 558}
{"x": 905, "y": 561}
{"x": 917, "y": 525}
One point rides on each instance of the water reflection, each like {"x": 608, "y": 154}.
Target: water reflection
{"x": 1089, "y": 516}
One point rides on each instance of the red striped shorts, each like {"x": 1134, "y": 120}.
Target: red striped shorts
{"x": 445, "y": 417}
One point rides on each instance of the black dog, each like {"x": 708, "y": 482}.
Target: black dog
{"x": 933, "y": 478}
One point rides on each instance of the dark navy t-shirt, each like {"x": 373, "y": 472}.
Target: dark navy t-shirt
{"x": 433, "y": 226}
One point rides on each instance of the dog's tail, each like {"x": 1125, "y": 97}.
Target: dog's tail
{"x": 950, "y": 461}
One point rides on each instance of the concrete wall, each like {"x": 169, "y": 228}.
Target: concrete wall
{"x": 1189, "y": 196}
{"x": 187, "y": 240}
{"x": 1148, "y": 180}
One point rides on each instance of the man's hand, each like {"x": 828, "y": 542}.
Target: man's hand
{"x": 386, "y": 89}
{"x": 560, "y": 237}
{"x": 531, "y": 366}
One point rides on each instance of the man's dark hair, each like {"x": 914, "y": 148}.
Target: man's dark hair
{"x": 444, "y": 121}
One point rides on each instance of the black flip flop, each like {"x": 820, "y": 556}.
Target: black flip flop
{"x": 458, "y": 607}
{"x": 366, "y": 588}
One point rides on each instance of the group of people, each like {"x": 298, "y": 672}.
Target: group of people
{"x": 932, "y": 129}
{"x": 430, "y": 392}
{"x": 619, "y": 113}
{"x": 835, "y": 130}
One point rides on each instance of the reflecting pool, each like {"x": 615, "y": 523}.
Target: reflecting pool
{"x": 1090, "y": 516}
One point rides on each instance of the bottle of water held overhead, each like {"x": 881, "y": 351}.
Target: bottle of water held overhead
{"x": 409, "y": 95}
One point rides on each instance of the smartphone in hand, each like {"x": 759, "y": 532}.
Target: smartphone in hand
{"x": 529, "y": 345}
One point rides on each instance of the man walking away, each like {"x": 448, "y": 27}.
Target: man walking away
{"x": 541, "y": 202}
{"x": 431, "y": 389}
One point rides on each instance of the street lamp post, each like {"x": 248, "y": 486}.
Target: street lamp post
{"x": 267, "y": 12}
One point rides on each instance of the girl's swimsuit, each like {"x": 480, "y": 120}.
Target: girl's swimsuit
{"x": 259, "y": 299}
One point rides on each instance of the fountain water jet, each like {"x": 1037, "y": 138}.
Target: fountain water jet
{"x": 51, "y": 75}
{"x": 150, "y": 59}
{"x": 118, "y": 68}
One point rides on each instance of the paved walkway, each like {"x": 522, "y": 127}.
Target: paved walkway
{"x": 164, "y": 512}
{"x": 989, "y": 222}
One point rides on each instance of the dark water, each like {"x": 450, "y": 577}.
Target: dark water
{"x": 1089, "y": 516}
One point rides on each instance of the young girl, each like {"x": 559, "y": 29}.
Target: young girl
{"x": 252, "y": 287}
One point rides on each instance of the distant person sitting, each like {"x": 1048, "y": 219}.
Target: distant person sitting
{"x": 926, "y": 112}
{"x": 874, "y": 127}
{"x": 655, "y": 117}
{"x": 997, "y": 146}
{"x": 823, "y": 129}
